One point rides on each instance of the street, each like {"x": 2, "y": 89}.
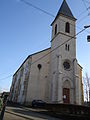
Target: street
{"x": 23, "y": 113}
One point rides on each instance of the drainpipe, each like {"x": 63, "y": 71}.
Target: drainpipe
{"x": 74, "y": 80}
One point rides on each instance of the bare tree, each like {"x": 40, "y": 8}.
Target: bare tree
{"x": 86, "y": 83}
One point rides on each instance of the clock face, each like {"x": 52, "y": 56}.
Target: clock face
{"x": 66, "y": 65}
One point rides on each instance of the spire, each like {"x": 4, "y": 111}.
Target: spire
{"x": 65, "y": 10}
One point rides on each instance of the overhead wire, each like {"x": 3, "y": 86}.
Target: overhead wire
{"x": 85, "y": 4}
{"x": 58, "y": 46}
{"x": 52, "y": 16}
{"x": 28, "y": 3}
{"x": 6, "y": 77}
{"x": 46, "y": 12}
{"x": 87, "y": 1}
{"x": 51, "y": 50}
{"x": 87, "y": 8}
{"x": 81, "y": 13}
{"x": 84, "y": 17}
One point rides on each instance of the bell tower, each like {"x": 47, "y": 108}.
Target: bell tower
{"x": 63, "y": 56}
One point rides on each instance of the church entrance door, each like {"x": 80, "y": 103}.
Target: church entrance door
{"x": 66, "y": 95}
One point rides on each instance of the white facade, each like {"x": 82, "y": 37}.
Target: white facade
{"x": 38, "y": 85}
{"x": 52, "y": 75}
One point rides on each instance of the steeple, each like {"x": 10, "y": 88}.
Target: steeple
{"x": 65, "y": 10}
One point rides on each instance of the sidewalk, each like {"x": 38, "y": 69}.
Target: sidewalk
{"x": 9, "y": 116}
{"x": 29, "y": 113}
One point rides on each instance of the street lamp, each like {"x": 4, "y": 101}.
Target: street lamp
{"x": 86, "y": 26}
{"x": 88, "y": 37}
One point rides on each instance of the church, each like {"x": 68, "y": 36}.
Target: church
{"x": 52, "y": 75}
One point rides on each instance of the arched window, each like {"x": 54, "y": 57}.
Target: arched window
{"x": 55, "y": 29}
{"x": 66, "y": 47}
{"x": 67, "y": 27}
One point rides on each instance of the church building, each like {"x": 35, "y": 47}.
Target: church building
{"x": 52, "y": 75}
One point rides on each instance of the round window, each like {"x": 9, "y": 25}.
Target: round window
{"x": 66, "y": 65}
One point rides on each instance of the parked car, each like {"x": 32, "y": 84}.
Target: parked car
{"x": 38, "y": 103}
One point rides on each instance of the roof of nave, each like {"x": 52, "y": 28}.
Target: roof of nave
{"x": 31, "y": 56}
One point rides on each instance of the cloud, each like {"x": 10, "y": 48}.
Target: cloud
{"x": 4, "y": 90}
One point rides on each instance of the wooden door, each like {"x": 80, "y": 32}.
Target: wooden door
{"x": 66, "y": 95}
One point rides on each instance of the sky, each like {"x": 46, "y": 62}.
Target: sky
{"x": 25, "y": 30}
